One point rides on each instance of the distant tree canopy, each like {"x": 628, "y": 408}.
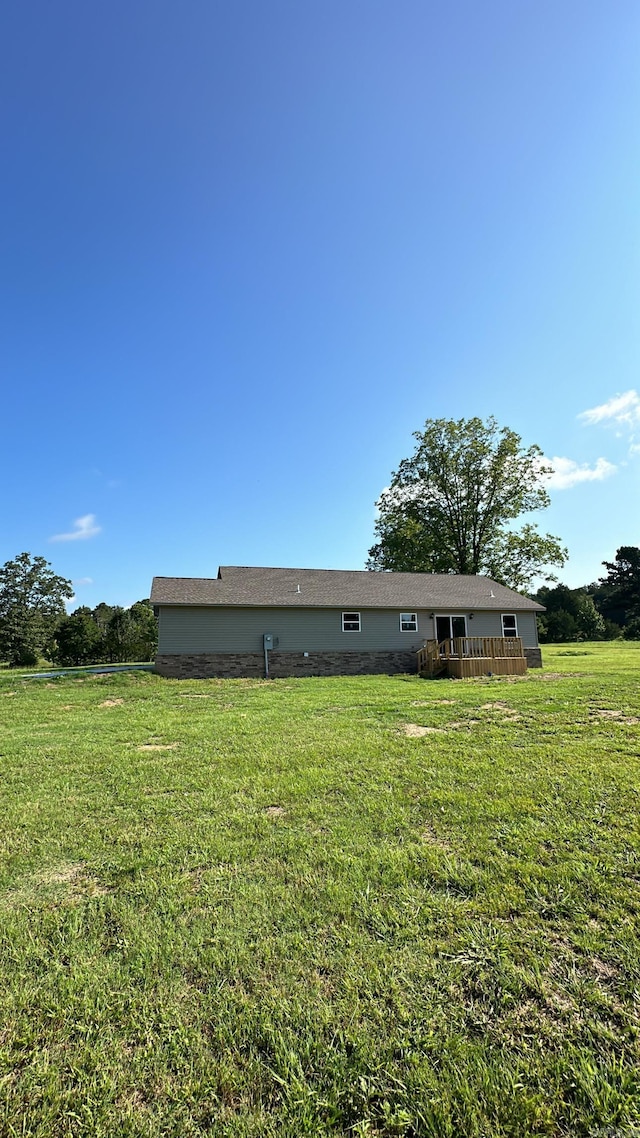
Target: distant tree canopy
{"x": 571, "y": 615}
{"x": 31, "y": 605}
{"x": 77, "y": 639}
{"x": 107, "y": 634}
{"x": 34, "y": 624}
{"x": 618, "y": 594}
{"x": 450, "y": 508}
{"x": 604, "y": 610}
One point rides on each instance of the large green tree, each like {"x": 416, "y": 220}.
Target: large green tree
{"x": 144, "y": 631}
{"x": 78, "y": 639}
{"x": 131, "y": 634}
{"x": 32, "y": 600}
{"x": 618, "y": 594}
{"x": 118, "y": 635}
{"x": 451, "y": 506}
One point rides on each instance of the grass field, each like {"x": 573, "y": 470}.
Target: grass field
{"x": 359, "y": 906}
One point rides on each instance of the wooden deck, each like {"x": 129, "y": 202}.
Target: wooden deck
{"x": 466, "y": 656}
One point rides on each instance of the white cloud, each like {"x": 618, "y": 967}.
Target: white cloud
{"x": 83, "y": 528}
{"x": 621, "y": 409}
{"x": 568, "y": 473}
{"x": 83, "y": 581}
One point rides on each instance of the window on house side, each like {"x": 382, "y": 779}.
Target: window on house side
{"x": 408, "y": 622}
{"x": 509, "y": 624}
{"x": 351, "y": 622}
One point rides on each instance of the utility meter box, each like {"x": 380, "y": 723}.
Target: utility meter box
{"x": 268, "y": 641}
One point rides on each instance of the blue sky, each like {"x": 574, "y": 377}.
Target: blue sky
{"x": 248, "y": 248}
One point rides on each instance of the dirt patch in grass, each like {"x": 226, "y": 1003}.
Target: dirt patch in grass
{"x": 539, "y": 1020}
{"x": 111, "y": 703}
{"x": 415, "y": 731}
{"x": 157, "y": 746}
{"x": 617, "y": 716}
{"x": 275, "y": 811}
{"x": 62, "y": 874}
{"x": 431, "y": 838}
{"x": 504, "y": 709}
{"x": 133, "y": 1102}
{"x": 77, "y": 880}
{"x": 603, "y": 970}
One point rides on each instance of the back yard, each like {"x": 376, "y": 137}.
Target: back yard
{"x": 363, "y": 906}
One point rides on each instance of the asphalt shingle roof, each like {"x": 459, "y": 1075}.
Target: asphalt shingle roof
{"x": 338, "y": 588}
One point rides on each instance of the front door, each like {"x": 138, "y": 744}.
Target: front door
{"x": 449, "y": 627}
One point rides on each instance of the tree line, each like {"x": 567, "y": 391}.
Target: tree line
{"x": 604, "y": 610}
{"x": 106, "y": 634}
{"x": 34, "y": 624}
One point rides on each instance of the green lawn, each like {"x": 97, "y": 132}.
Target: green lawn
{"x": 241, "y": 908}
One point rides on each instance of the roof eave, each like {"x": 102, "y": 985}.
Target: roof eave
{"x": 532, "y": 607}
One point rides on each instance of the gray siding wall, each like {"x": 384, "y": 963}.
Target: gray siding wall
{"x": 190, "y": 629}
{"x": 490, "y": 624}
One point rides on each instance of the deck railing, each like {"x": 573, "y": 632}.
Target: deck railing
{"x": 433, "y": 656}
{"x": 429, "y": 659}
{"x": 470, "y": 647}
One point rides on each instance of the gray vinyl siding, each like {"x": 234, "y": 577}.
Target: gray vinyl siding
{"x": 490, "y": 624}
{"x": 192, "y": 629}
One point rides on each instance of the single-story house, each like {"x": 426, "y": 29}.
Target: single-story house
{"x": 311, "y": 622}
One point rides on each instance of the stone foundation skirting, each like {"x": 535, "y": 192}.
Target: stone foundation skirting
{"x": 204, "y": 665}
{"x": 534, "y": 657}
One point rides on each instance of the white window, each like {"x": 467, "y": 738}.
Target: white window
{"x": 408, "y": 622}
{"x": 509, "y": 624}
{"x": 351, "y": 622}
